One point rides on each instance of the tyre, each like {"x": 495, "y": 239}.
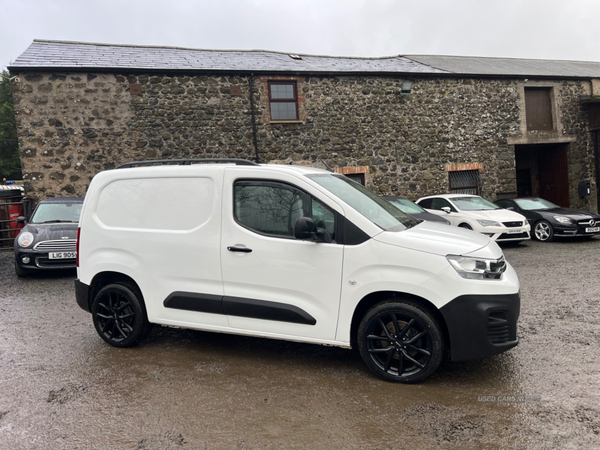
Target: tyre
{"x": 466, "y": 226}
{"x": 119, "y": 315}
{"x": 400, "y": 342}
{"x": 20, "y": 271}
{"x": 542, "y": 231}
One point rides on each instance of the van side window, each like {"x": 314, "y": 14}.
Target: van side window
{"x": 269, "y": 207}
{"x": 323, "y": 217}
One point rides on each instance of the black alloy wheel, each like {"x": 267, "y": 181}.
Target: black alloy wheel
{"x": 400, "y": 342}
{"x": 119, "y": 315}
{"x": 466, "y": 226}
{"x": 543, "y": 231}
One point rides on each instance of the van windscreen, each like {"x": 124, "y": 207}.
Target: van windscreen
{"x": 367, "y": 203}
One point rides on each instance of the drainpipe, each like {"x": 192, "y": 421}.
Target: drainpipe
{"x": 255, "y": 134}
{"x": 596, "y": 137}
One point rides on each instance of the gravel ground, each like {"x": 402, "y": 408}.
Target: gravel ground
{"x": 62, "y": 387}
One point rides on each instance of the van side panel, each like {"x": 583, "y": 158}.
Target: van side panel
{"x": 163, "y": 233}
{"x": 378, "y": 267}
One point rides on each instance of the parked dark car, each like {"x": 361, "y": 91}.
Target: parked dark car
{"x": 548, "y": 220}
{"x": 48, "y": 240}
{"x": 414, "y": 210}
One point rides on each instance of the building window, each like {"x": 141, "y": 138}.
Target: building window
{"x": 283, "y": 100}
{"x": 465, "y": 182}
{"x": 358, "y": 177}
{"x": 357, "y": 173}
{"x": 538, "y": 109}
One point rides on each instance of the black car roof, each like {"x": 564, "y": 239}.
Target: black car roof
{"x": 63, "y": 200}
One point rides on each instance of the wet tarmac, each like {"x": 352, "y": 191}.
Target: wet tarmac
{"x": 62, "y": 387}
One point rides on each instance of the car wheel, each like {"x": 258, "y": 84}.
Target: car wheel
{"x": 465, "y": 225}
{"x": 119, "y": 315}
{"x": 400, "y": 342}
{"x": 543, "y": 231}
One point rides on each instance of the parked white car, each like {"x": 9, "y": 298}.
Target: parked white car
{"x": 293, "y": 253}
{"x": 478, "y": 214}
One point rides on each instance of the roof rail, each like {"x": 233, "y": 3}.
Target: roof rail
{"x": 187, "y": 162}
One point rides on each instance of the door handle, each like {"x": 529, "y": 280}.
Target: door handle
{"x": 237, "y": 248}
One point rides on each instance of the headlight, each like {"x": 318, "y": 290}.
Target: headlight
{"x": 488, "y": 223}
{"x": 477, "y": 268}
{"x": 25, "y": 239}
{"x": 563, "y": 219}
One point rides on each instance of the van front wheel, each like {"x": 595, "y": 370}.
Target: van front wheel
{"x": 119, "y": 316}
{"x": 400, "y": 342}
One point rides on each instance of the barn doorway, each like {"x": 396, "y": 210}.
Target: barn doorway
{"x": 542, "y": 171}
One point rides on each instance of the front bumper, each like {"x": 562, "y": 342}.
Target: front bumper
{"x": 42, "y": 261}
{"x": 561, "y": 230}
{"x": 480, "y": 326}
{"x": 504, "y": 234}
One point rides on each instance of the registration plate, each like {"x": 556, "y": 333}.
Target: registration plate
{"x": 518, "y": 230}
{"x": 592, "y": 230}
{"x": 61, "y": 255}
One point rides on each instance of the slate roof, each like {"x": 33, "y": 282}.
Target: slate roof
{"x": 65, "y": 55}
{"x": 61, "y": 55}
{"x": 472, "y": 65}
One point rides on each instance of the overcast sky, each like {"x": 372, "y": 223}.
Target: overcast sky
{"x": 541, "y": 29}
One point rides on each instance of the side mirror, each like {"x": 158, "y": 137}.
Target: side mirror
{"x": 446, "y": 209}
{"x": 305, "y": 229}
{"x": 21, "y": 219}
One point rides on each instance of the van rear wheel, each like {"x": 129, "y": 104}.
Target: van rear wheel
{"x": 119, "y": 315}
{"x": 400, "y": 342}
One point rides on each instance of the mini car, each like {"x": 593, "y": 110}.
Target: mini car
{"x": 414, "y": 210}
{"x": 548, "y": 220}
{"x": 48, "y": 240}
{"x": 476, "y": 213}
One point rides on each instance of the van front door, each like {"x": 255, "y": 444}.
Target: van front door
{"x": 272, "y": 282}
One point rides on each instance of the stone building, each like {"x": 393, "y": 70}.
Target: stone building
{"x": 406, "y": 125}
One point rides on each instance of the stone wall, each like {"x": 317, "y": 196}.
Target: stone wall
{"x": 73, "y": 125}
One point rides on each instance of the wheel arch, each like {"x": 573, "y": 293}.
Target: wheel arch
{"x": 105, "y": 278}
{"x": 375, "y": 298}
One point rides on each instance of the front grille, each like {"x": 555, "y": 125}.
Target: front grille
{"x": 55, "y": 263}
{"x": 497, "y": 328}
{"x": 64, "y": 245}
{"x": 589, "y": 223}
{"x": 513, "y": 224}
{"x": 513, "y": 236}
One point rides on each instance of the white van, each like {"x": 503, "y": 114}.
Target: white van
{"x": 292, "y": 253}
